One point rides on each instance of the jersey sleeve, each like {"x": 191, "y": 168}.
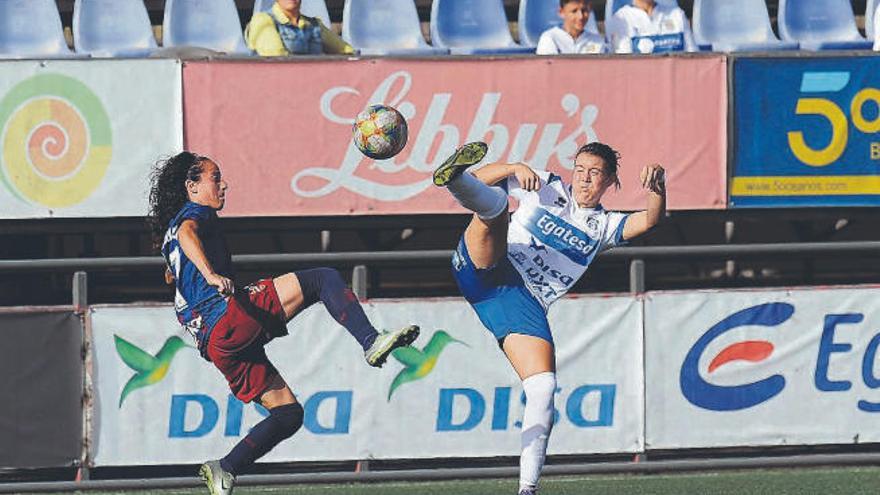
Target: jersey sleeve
{"x": 511, "y": 185}
{"x": 546, "y": 46}
{"x": 689, "y": 44}
{"x": 613, "y": 235}
{"x": 619, "y": 33}
{"x": 199, "y": 213}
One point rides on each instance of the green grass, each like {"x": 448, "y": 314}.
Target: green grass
{"x": 824, "y": 481}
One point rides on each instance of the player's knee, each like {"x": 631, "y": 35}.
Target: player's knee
{"x": 315, "y": 283}
{"x": 288, "y": 419}
{"x": 540, "y": 390}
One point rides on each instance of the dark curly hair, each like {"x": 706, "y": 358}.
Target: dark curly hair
{"x": 609, "y": 156}
{"x": 168, "y": 190}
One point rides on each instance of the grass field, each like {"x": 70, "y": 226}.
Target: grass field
{"x": 824, "y": 481}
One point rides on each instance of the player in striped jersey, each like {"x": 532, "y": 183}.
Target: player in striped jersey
{"x": 232, "y": 324}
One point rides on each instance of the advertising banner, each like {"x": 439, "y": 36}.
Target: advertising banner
{"x": 78, "y": 139}
{"x": 806, "y": 132}
{"x": 760, "y": 368}
{"x": 42, "y": 370}
{"x": 282, "y": 132}
{"x": 452, "y": 395}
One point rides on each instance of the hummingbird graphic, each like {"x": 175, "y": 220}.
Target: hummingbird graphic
{"x": 419, "y": 364}
{"x": 149, "y": 370}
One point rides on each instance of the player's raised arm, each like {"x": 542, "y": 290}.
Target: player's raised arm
{"x": 188, "y": 236}
{"x": 493, "y": 173}
{"x": 653, "y": 179}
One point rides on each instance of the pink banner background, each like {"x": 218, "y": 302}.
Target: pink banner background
{"x": 281, "y": 132}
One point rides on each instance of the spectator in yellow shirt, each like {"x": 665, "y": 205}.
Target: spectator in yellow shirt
{"x": 285, "y": 31}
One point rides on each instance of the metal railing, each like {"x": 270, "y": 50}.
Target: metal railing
{"x": 360, "y": 261}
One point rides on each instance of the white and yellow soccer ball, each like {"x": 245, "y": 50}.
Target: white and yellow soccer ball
{"x": 380, "y": 132}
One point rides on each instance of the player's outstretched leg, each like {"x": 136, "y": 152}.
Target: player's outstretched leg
{"x": 326, "y": 285}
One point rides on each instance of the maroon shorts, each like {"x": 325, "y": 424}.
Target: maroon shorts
{"x": 253, "y": 318}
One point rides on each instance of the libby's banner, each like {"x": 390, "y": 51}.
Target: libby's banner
{"x": 806, "y": 132}
{"x": 77, "y": 139}
{"x": 281, "y": 132}
{"x": 453, "y": 394}
{"x": 761, "y": 368}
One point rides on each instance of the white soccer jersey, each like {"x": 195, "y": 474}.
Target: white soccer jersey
{"x": 555, "y": 41}
{"x": 632, "y": 30}
{"x": 551, "y": 240}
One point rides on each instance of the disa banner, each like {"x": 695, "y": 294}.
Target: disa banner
{"x": 806, "y": 132}
{"x": 77, "y": 139}
{"x": 453, "y": 394}
{"x": 281, "y": 132}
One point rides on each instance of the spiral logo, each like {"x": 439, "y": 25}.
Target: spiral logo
{"x": 55, "y": 141}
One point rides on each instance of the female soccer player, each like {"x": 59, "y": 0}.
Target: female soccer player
{"x": 232, "y": 324}
{"x": 511, "y": 268}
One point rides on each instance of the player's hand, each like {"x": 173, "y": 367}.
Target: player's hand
{"x": 527, "y": 177}
{"x": 224, "y": 285}
{"x": 653, "y": 178}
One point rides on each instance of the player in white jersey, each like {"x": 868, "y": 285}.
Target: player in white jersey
{"x": 511, "y": 268}
{"x": 647, "y": 26}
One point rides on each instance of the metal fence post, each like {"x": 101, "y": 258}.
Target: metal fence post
{"x": 637, "y": 276}
{"x": 359, "y": 281}
{"x": 80, "y": 292}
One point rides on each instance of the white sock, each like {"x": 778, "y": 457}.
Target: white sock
{"x": 536, "y": 425}
{"x": 486, "y": 201}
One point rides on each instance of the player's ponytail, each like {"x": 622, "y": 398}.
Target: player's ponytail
{"x": 168, "y": 190}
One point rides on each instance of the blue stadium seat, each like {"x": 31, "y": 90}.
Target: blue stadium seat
{"x": 385, "y": 27}
{"x": 820, "y": 25}
{"x": 537, "y": 16}
{"x": 472, "y": 27}
{"x": 870, "y": 9}
{"x": 741, "y": 26}
{"x": 212, "y": 24}
{"x": 112, "y": 28}
{"x": 311, "y": 8}
{"x": 31, "y": 29}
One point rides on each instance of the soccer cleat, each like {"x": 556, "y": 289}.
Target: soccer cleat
{"x": 219, "y": 481}
{"x": 388, "y": 341}
{"x": 528, "y": 491}
{"x": 465, "y": 156}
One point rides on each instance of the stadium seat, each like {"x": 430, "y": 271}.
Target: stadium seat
{"x": 870, "y": 9}
{"x": 820, "y": 25}
{"x": 742, "y": 26}
{"x": 472, "y": 27}
{"x": 537, "y": 16}
{"x": 212, "y": 24}
{"x": 311, "y": 8}
{"x": 31, "y": 29}
{"x": 385, "y": 27}
{"x": 112, "y": 28}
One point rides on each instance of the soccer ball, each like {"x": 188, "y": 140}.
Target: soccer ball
{"x": 380, "y": 132}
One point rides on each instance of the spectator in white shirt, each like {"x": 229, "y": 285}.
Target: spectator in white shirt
{"x": 572, "y": 36}
{"x": 649, "y": 27}
{"x": 877, "y": 28}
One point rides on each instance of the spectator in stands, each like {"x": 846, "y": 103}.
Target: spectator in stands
{"x": 877, "y": 29}
{"x": 649, "y": 27}
{"x": 571, "y": 37}
{"x": 285, "y": 31}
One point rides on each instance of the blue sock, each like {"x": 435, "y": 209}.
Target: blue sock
{"x": 283, "y": 422}
{"x": 327, "y": 286}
